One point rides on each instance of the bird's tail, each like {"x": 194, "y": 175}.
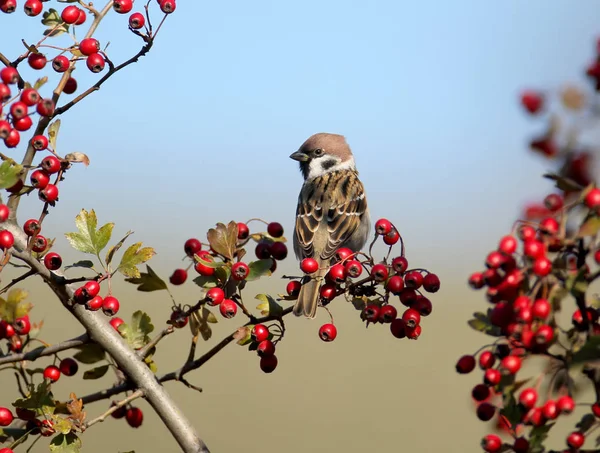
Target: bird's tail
{"x": 309, "y": 295}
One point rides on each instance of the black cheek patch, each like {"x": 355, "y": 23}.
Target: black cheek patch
{"x": 326, "y": 165}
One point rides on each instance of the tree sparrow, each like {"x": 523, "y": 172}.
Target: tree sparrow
{"x": 332, "y": 210}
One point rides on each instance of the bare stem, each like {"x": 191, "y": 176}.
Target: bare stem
{"x": 44, "y": 351}
{"x": 135, "y": 395}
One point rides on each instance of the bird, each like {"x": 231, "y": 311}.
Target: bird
{"x": 332, "y": 210}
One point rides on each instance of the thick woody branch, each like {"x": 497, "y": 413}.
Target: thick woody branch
{"x": 43, "y": 351}
{"x": 100, "y": 331}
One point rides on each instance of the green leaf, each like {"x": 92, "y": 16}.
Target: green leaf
{"x": 134, "y": 256}
{"x": 83, "y": 263}
{"x": 136, "y": 332}
{"x": 40, "y": 400}
{"x": 206, "y": 282}
{"x": 39, "y": 83}
{"x": 511, "y": 409}
{"x": 88, "y": 240}
{"x": 564, "y": 184}
{"x": 481, "y": 323}
{"x": 223, "y": 239}
{"x": 537, "y": 436}
{"x": 590, "y": 227}
{"x": 90, "y": 353}
{"x": 51, "y": 17}
{"x": 586, "y": 422}
{"x": 65, "y": 443}
{"x": 269, "y": 306}
{"x": 210, "y": 262}
{"x": 52, "y": 32}
{"x": 10, "y": 172}
{"x": 259, "y": 269}
{"x": 34, "y": 371}
{"x": 589, "y": 351}
{"x": 15, "y": 306}
{"x": 96, "y": 373}
{"x": 222, "y": 274}
{"x": 55, "y": 126}
{"x": 62, "y": 425}
{"x": 148, "y": 281}
{"x": 577, "y": 284}
{"x": 115, "y": 248}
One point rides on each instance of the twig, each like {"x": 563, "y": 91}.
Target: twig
{"x": 43, "y": 351}
{"x": 135, "y": 395}
{"x": 27, "y": 274}
{"x": 143, "y": 352}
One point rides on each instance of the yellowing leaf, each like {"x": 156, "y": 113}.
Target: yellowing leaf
{"x": 75, "y": 408}
{"x": 62, "y": 425}
{"x": 10, "y": 172}
{"x": 65, "y": 443}
{"x": 78, "y": 157}
{"x": 590, "y": 227}
{"x": 88, "y": 239}
{"x": 39, "y": 83}
{"x": 136, "y": 332}
{"x": 223, "y": 239}
{"x": 133, "y": 256}
{"x": 259, "y": 269}
{"x": 115, "y": 248}
{"x": 15, "y": 306}
{"x": 243, "y": 335}
{"x": 269, "y": 306}
{"x": 148, "y": 281}
{"x": 53, "y": 133}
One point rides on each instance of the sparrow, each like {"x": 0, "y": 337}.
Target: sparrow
{"x": 332, "y": 210}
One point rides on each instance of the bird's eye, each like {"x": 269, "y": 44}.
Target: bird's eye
{"x": 318, "y": 152}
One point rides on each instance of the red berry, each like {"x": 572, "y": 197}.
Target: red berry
{"x": 431, "y": 283}
{"x": 370, "y": 313}
{"x": 411, "y": 318}
{"x": 268, "y": 363}
{"x": 68, "y": 366}
{"x": 414, "y": 333}
{"x": 118, "y": 413}
{"x": 6, "y": 330}
{"x": 50, "y": 164}
{"x": 91, "y": 289}
{"x": 52, "y": 373}
{"x": 387, "y": 314}
{"x": 309, "y": 265}
{"x": 192, "y": 246}
{"x": 596, "y": 409}
{"x": 521, "y": 445}
{"x": 592, "y": 199}
{"x": 278, "y": 250}
{"x": 510, "y": 364}
{"x": 6, "y": 239}
{"x": 492, "y": 376}
{"x": 383, "y": 227}
{"x": 137, "y": 21}
{"x": 8, "y": 6}
{"x": 398, "y": 328}
{"x": 70, "y": 86}
{"x": 39, "y": 179}
{"x": 32, "y": 227}
{"x": 82, "y": 17}
{"x": 327, "y": 332}
{"x": 379, "y": 272}
{"x": 30, "y": 97}
{"x": 486, "y": 360}
{"x": 576, "y": 440}
{"x": 4, "y": 213}
{"x": 565, "y": 404}
{"x": 60, "y": 63}
{"x": 95, "y": 63}
{"x": 544, "y": 335}
{"x": 215, "y": 296}
{"x": 337, "y": 273}
{"x": 178, "y": 277}
{"x": 202, "y": 268}
{"x": 354, "y": 268}
{"x": 553, "y": 202}
{"x": 343, "y": 254}
{"x": 293, "y": 288}
{"x": 275, "y": 229}
{"x": 134, "y": 417}
{"x": 265, "y": 348}
{"x": 465, "y": 364}
{"x": 18, "y": 109}
{"x": 95, "y": 304}
{"x": 480, "y": 392}
{"x": 116, "y": 322}
{"x": 508, "y": 245}
{"x": 178, "y": 319}
{"x": 263, "y": 250}
{"x": 260, "y": 332}
{"x": 550, "y": 410}
{"x": 542, "y": 267}
{"x": 413, "y": 280}
{"x": 541, "y": 309}
{"x": 476, "y": 280}
{"x": 228, "y": 308}
{"x": 243, "y": 230}
{"x": 239, "y": 271}
{"x": 13, "y": 139}
{"x": 423, "y": 306}
{"x": 110, "y": 306}
{"x": 23, "y": 124}
{"x": 123, "y": 6}
{"x": 328, "y": 291}
{"x": 534, "y": 249}
{"x": 89, "y": 46}
{"x": 485, "y": 412}
{"x": 395, "y": 284}
{"x": 9, "y": 75}
{"x": 528, "y": 398}
{"x": 37, "y": 61}
{"x": 70, "y": 14}
{"x": 400, "y": 264}
{"x": 167, "y": 7}
{"x": 495, "y": 259}
{"x": 45, "y": 107}
{"x": 6, "y": 416}
{"x": 40, "y": 243}
{"x": 22, "y": 325}
{"x": 392, "y": 237}
{"x": 5, "y": 95}
{"x": 532, "y": 101}
{"x": 549, "y": 225}
{"x": 5, "y": 127}
{"x": 408, "y": 297}
{"x": 52, "y": 261}
{"x": 491, "y": 443}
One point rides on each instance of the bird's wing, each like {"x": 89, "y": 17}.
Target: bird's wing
{"x": 336, "y": 201}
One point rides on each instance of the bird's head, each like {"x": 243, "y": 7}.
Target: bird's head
{"x": 322, "y": 153}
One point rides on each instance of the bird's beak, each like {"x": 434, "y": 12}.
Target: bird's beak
{"x": 299, "y": 156}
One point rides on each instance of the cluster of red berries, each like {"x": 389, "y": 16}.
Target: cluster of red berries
{"x": 395, "y": 278}
{"x": 88, "y": 295}
{"x": 133, "y": 415}
{"x": 15, "y": 332}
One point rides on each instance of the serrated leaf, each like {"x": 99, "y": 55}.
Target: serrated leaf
{"x": 223, "y": 239}
{"x": 206, "y": 282}
{"x": 76, "y": 412}
{"x": 62, "y": 425}
{"x": 199, "y": 323}
{"x": 39, "y": 83}
{"x": 54, "y": 127}
{"x": 537, "y": 436}
{"x": 15, "y": 306}
{"x": 40, "y": 400}
{"x": 148, "y": 281}
{"x": 590, "y": 227}
{"x": 134, "y": 256}
{"x": 65, "y": 443}
{"x": 90, "y": 353}
{"x": 243, "y": 335}
{"x": 589, "y": 351}
{"x": 115, "y": 248}
{"x": 78, "y": 158}
{"x": 51, "y": 17}
{"x": 481, "y": 323}
{"x": 259, "y": 269}
{"x": 95, "y": 373}
{"x": 83, "y": 263}
{"x": 10, "y": 172}
{"x": 511, "y": 410}
{"x": 88, "y": 239}
{"x": 269, "y": 306}
{"x": 136, "y": 332}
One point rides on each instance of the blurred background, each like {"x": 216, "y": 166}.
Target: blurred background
{"x": 200, "y": 130}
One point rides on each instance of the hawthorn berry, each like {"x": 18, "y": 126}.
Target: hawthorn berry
{"x": 379, "y": 272}
{"x": 70, "y": 14}
{"x": 494, "y": 260}
{"x": 398, "y": 328}
{"x": 544, "y": 335}
{"x": 137, "y": 21}
{"x": 337, "y": 273}
{"x": 541, "y": 309}
{"x": 480, "y": 392}
{"x": 491, "y": 443}
{"x": 265, "y": 348}
{"x": 242, "y": 228}
{"x": 476, "y": 280}
{"x": 228, "y": 308}
{"x": 553, "y": 202}
{"x": 486, "y": 360}
{"x": 119, "y": 412}
{"x": 91, "y": 289}
{"x": 68, "y": 366}
{"x": 592, "y": 198}
{"x": 383, "y": 227}
{"x": 414, "y": 333}
{"x": 22, "y": 325}
{"x": 39, "y": 244}
{"x": 521, "y": 445}
{"x": 395, "y": 284}
{"x": 492, "y": 376}
{"x": 70, "y": 86}
{"x": 532, "y": 101}
{"x": 528, "y": 397}
{"x": 82, "y": 17}
{"x": 110, "y": 306}
{"x": 423, "y": 306}
{"x": 6, "y": 416}
{"x": 215, "y": 296}
{"x": 192, "y": 246}
{"x": 408, "y": 297}
{"x": 263, "y": 250}
{"x": 116, "y": 322}
{"x": 202, "y": 268}
{"x": 46, "y": 427}
{"x": 6, "y": 330}
{"x": 534, "y": 249}
{"x": 370, "y": 313}
{"x": 542, "y": 267}
{"x": 510, "y": 364}
{"x": 259, "y": 333}
{"x": 278, "y": 250}
{"x": 89, "y": 46}
{"x": 309, "y": 265}
{"x": 5, "y": 95}
{"x": 8, "y": 6}
{"x": 400, "y": 264}
{"x": 328, "y": 291}
{"x": 178, "y": 319}
{"x": 485, "y": 412}
{"x": 9, "y": 75}
{"x": 549, "y": 225}
{"x": 343, "y": 254}
{"x": 32, "y": 227}
{"x": 387, "y": 314}
{"x": 23, "y": 124}
{"x": 50, "y": 164}
{"x": 60, "y": 63}
{"x": 30, "y": 97}
{"x": 45, "y": 107}
{"x": 52, "y": 373}
{"x": 412, "y": 318}
{"x": 431, "y": 283}
{"x": 508, "y": 245}
{"x": 12, "y": 140}
{"x": 4, "y": 213}
{"x": 37, "y": 61}
{"x": 24, "y": 414}
{"x": 275, "y": 229}
{"x": 95, "y": 63}
{"x": 178, "y": 277}
{"x": 123, "y": 6}
{"x": 239, "y": 271}
{"x": 465, "y": 364}
{"x": 413, "y": 280}
{"x": 565, "y": 404}
{"x": 293, "y": 288}
{"x": 354, "y": 268}
{"x": 18, "y": 109}
{"x": 6, "y": 239}
{"x": 392, "y": 237}
{"x": 134, "y": 417}
{"x": 52, "y": 261}
{"x": 268, "y": 363}
{"x": 575, "y": 440}
{"x": 167, "y": 7}
{"x": 95, "y": 303}
{"x": 5, "y": 127}
{"x": 550, "y": 410}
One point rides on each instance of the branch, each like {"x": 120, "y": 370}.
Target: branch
{"x": 135, "y": 395}
{"x": 43, "y": 351}
{"x": 102, "y": 333}
{"x": 143, "y": 353}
